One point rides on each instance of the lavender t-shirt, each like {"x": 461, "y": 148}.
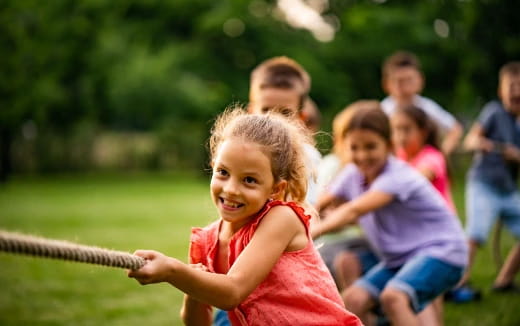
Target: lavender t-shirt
{"x": 417, "y": 221}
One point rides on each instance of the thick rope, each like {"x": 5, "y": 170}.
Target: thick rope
{"x": 48, "y": 248}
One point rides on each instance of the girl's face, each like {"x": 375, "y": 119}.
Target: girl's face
{"x": 406, "y": 134}
{"x": 242, "y": 181}
{"x": 368, "y": 150}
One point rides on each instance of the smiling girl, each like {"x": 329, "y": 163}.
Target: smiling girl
{"x": 257, "y": 261}
{"x": 421, "y": 245}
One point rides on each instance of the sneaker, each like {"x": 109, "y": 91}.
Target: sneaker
{"x": 462, "y": 294}
{"x": 508, "y": 288}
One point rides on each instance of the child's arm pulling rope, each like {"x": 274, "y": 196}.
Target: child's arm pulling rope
{"x": 30, "y": 245}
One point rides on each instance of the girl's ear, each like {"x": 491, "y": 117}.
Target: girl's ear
{"x": 279, "y": 190}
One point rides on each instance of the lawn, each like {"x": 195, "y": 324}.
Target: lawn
{"x": 129, "y": 212}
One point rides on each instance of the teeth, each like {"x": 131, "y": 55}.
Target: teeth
{"x": 231, "y": 204}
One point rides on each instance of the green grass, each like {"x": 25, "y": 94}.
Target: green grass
{"x": 123, "y": 213}
{"x": 129, "y": 212}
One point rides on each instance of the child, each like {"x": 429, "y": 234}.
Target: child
{"x": 419, "y": 240}
{"x": 281, "y": 84}
{"x": 492, "y": 188}
{"x": 257, "y": 261}
{"x": 403, "y": 81}
{"x": 351, "y": 240}
{"x": 415, "y": 140}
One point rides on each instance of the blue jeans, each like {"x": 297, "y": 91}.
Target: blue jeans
{"x": 484, "y": 204}
{"x": 422, "y": 278}
{"x": 221, "y": 318}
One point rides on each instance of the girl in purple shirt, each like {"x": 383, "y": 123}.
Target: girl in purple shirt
{"x": 421, "y": 245}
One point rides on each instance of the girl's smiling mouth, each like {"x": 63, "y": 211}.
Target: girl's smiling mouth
{"x": 230, "y": 204}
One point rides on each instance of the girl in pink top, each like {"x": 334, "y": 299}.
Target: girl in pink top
{"x": 415, "y": 140}
{"x": 257, "y": 261}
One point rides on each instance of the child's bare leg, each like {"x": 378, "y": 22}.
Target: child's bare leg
{"x": 433, "y": 314}
{"x": 348, "y": 269}
{"x": 473, "y": 247}
{"x": 396, "y": 305}
{"x": 510, "y": 268}
{"x": 359, "y": 302}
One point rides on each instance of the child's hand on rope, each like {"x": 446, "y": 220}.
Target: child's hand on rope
{"x": 157, "y": 268}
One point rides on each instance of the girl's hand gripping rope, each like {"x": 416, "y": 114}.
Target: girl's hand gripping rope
{"x": 157, "y": 269}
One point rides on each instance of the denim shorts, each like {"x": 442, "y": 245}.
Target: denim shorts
{"x": 220, "y": 318}
{"x": 484, "y": 204}
{"x": 368, "y": 259}
{"x": 422, "y": 278}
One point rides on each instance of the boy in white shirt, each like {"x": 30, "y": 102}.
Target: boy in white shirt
{"x": 403, "y": 81}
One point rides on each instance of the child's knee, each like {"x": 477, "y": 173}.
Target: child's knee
{"x": 349, "y": 259}
{"x": 393, "y": 300}
{"x": 357, "y": 299}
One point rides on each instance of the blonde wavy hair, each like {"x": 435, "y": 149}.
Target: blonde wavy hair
{"x": 281, "y": 139}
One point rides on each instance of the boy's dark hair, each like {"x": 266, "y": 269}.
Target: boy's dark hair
{"x": 280, "y": 76}
{"x": 400, "y": 59}
{"x": 511, "y": 68}
{"x": 280, "y": 71}
{"x": 283, "y": 73}
{"x": 422, "y": 121}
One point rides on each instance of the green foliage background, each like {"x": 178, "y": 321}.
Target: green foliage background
{"x": 71, "y": 70}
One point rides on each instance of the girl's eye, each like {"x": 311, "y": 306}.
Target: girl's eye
{"x": 221, "y": 172}
{"x": 249, "y": 180}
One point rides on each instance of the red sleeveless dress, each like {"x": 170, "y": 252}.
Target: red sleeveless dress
{"x": 299, "y": 290}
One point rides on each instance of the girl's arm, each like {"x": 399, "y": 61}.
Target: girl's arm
{"x": 194, "y": 312}
{"x": 350, "y": 212}
{"x": 324, "y": 200}
{"x": 427, "y": 172}
{"x": 432, "y": 165}
{"x": 279, "y": 230}
{"x": 452, "y": 138}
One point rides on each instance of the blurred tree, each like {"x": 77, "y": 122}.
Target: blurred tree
{"x": 45, "y": 80}
{"x": 170, "y": 66}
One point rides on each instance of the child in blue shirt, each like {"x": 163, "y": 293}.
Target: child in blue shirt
{"x": 492, "y": 188}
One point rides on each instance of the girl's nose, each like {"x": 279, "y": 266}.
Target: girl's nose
{"x": 231, "y": 187}
{"x": 362, "y": 155}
